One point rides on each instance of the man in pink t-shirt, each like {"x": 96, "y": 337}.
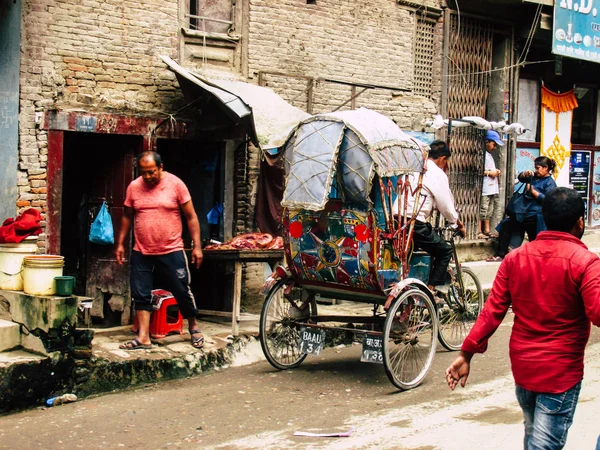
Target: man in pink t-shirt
{"x": 154, "y": 203}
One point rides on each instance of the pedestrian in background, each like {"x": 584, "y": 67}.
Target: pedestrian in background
{"x": 490, "y": 188}
{"x": 529, "y": 220}
{"x": 553, "y": 286}
{"x": 154, "y": 202}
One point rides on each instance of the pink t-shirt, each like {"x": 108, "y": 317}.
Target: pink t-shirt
{"x": 158, "y": 223}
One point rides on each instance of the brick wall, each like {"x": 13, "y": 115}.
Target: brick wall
{"x": 104, "y": 56}
{"x": 369, "y": 42}
{"x": 94, "y": 56}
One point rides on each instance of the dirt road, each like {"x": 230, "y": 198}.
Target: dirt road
{"x": 255, "y": 406}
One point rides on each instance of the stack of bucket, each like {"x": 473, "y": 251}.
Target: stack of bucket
{"x": 21, "y": 269}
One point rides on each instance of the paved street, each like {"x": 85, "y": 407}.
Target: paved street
{"x": 253, "y": 406}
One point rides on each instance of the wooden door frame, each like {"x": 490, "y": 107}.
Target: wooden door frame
{"x": 56, "y": 122}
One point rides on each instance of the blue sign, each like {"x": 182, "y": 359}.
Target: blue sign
{"x": 525, "y": 161}
{"x": 85, "y": 124}
{"x": 423, "y": 136}
{"x": 576, "y": 30}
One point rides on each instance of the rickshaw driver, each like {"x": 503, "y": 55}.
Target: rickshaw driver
{"x": 437, "y": 195}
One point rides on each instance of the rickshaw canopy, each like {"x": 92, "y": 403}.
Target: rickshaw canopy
{"x": 343, "y": 151}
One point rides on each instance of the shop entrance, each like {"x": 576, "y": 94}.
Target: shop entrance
{"x": 96, "y": 168}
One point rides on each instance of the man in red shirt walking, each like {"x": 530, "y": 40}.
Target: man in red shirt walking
{"x": 553, "y": 285}
{"x": 156, "y": 201}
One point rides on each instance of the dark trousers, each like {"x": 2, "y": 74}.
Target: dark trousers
{"x": 511, "y": 226}
{"x": 427, "y": 240}
{"x": 172, "y": 269}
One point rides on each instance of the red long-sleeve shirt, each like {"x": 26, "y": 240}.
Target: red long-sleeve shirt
{"x": 553, "y": 285}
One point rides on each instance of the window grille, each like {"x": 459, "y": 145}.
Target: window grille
{"x": 423, "y": 56}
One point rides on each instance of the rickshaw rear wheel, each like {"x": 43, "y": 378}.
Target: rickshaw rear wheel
{"x": 279, "y": 328}
{"x": 409, "y": 339}
{"x": 458, "y": 315}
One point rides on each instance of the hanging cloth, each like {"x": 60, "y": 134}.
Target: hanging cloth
{"x": 271, "y": 183}
{"x": 556, "y": 122}
{"x": 559, "y": 103}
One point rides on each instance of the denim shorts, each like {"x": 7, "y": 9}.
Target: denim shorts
{"x": 547, "y": 417}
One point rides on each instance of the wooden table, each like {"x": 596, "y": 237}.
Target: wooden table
{"x": 238, "y": 257}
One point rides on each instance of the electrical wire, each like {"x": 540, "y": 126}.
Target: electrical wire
{"x": 528, "y": 42}
{"x": 499, "y": 69}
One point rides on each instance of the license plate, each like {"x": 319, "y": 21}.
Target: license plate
{"x": 372, "y": 349}
{"x": 311, "y": 341}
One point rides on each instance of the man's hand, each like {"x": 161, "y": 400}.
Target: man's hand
{"x": 458, "y": 371}
{"x": 461, "y": 228}
{"x": 197, "y": 257}
{"x": 120, "y": 254}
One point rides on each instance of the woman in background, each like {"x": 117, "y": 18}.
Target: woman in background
{"x": 538, "y": 183}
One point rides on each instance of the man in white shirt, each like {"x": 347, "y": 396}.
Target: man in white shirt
{"x": 490, "y": 188}
{"x": 434, "y": 195}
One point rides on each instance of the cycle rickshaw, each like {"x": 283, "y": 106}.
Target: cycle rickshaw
{"x": 344, "y": 171}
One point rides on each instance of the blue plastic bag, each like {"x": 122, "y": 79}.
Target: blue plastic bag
{"x": 214, "y": 214}
{"x": 101, "y": 231}
{"x": 518, "y": 205}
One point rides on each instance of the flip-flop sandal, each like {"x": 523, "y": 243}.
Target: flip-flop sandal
{"x": 197, "y": 341}
{"x": 482, "y": 236}
{"x": 135, "y": 344}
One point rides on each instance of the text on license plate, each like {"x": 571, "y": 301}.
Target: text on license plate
{"x": 311, "y": 341}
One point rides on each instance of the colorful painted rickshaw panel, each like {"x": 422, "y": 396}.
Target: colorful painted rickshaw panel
{"x": 332, "y": 246}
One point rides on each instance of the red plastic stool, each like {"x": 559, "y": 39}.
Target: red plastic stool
{"x": 161, "y": 323}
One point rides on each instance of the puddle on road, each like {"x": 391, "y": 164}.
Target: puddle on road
{"x": 406, "y": 423}
{"x": 496, "y": 415}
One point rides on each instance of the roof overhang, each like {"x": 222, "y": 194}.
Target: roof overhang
{"x": 196, "y": 89}
{"x": 265, "y": 115}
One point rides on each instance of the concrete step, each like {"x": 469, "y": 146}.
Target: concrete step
{"x": 10, "y": 335}
{"x": 484, "y": 271}
{"x": 12, "y": 357}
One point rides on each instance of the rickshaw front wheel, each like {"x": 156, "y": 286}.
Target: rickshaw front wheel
{"x": 409, "y": 339}
{"x": 458, "y": 315}
{"x": 279, "y": 329}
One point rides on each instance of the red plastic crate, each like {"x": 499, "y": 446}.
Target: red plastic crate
{"x": 161, "y": 323}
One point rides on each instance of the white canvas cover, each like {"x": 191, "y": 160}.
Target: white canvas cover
{"x": 350, "y": 146}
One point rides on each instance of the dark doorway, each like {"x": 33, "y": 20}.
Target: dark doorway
{"x": 96, "y": 168}
{"x": 201, "y": 166}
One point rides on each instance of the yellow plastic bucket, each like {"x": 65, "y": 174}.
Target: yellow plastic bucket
{"x": 39, "y": 272}
{"x": 11, "y": 263}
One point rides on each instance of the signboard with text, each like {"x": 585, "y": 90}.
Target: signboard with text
{"x": 579, "y": 173}
{"x": 576, "y": 29}
{"x": 595, "y": 216}
{"x": 524, "y": 161}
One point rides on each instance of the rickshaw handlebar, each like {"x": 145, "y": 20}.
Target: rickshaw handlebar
{"x": 450, "y": 227}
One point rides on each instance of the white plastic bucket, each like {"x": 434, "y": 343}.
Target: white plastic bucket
{"x": 11, "y": 263}
{"x": 39, "y": 272}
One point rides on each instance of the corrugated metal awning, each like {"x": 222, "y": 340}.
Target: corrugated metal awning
{"x": 268, "y": 116}
{"x": 194, "y": 88}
